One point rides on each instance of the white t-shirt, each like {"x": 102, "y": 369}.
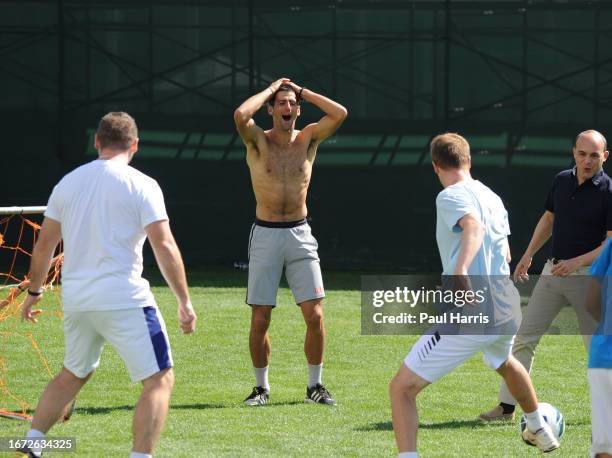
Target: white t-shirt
{"x": 103, "y": 208}
{"x": 489, "y": 270}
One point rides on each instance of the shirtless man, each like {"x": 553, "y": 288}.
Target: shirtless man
{"x": 280, "y": 161}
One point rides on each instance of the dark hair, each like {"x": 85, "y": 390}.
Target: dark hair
{"x": 591, "y": 131}
{"x": 283, "y": 88}
{"x": 117, "y": 130}
{"x": 450, "y": 151}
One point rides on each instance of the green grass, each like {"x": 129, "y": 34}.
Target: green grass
{"x": 213, "y": 375}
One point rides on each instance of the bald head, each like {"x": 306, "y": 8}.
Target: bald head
{"x": 590, "y": 152}
{"x": 593, "y": 138}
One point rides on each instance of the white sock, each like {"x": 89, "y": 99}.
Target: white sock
{"x": 261, "y": 377}
{"x": 314, "y": 374}
{"x": 140, "y": 455}
{"x": 35, "y": 434}
{"x": 535, "y": 421}
{"x": 407, "y": 455}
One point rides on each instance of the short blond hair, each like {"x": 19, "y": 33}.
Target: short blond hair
{"x": 117, "y": 131}
{"x": 450, "y": 151}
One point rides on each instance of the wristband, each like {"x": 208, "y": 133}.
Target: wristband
{"x": 35, "y": 293}
{"x": 300, "y": 94}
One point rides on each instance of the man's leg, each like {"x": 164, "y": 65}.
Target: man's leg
{"x": 259, "y": 345}
{"x": 82, "y": 347}
{"x": 519, "y": 384}
{"x": 600, "y": 385}
{"x": 576, "y": 288}
{"x": 140, "y": 337}
{"x": 403, "y": 390}
{"x": 265, "y": 269}
{"x": 430, "y": 358}
{"x": 314, "y": 346}
{"x": 151, "y": 411}
{"x": 259, "y": 340}
{"x": 303, "y": 272}
{"x": 58, "y": 394}
{"x": 314, "y": 342}
{"x": 544, "y": 305}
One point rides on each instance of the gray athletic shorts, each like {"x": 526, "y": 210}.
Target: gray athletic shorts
{"x": 273, "y": 246}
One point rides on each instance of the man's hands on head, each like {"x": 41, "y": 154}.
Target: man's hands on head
{"x": 277, "y": 84}
{"x": 295, "y": 87}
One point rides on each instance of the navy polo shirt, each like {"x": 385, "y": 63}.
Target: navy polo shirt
{"x": 583, "y": 213}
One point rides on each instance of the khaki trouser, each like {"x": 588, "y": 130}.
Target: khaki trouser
{"x": 549, "y": 296}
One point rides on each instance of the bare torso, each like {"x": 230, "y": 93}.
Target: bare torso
{"x": 280, "y": 175}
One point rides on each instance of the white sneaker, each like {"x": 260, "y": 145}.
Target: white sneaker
{"x": 543, "y": 438}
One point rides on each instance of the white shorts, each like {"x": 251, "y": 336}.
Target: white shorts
{"x": 600, "y": 381}
{"x": 434, "y": 356}
{"x": 138, "y": 334}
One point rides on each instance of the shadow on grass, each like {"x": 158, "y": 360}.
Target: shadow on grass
{"x": 286, "y": 403}
{"x": 456, "y": 424}
{"x": 129, "y": 408}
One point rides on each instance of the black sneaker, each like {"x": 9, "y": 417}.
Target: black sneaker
{"x": 25, "y": 452}
{"x": 318, "y": 394}
{"x": 258, "y": 397}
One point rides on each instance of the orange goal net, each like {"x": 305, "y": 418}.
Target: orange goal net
{"x": 24, "y": 347}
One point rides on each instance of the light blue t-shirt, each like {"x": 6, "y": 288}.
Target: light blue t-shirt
{"x": 600, "y": 350}
{"x": 456, "y": 201}
{"x": 489, "y": 270}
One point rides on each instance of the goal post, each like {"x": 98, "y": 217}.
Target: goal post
{"x": 23, "y": 349}
{"x": 21, "y": 210}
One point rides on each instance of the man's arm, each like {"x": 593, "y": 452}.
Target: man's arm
{"x": 566, "y": 267}
{"x": 335, "y": 114}
{"x": 472, "y": 236}
{"x": 508, "y": 252}
{"x": 243, "y": 116}
{"x": 42, "y": 255}
{"x": 541, "y": 234}
{"x": 171, "y": 266}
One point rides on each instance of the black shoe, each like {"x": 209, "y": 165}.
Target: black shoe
{"x": 258, "y": 397}
{"x": 26, "y": 452}
{"x": 318, "y": 394}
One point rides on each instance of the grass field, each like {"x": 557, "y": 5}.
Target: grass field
{"x": 213, "y": 375}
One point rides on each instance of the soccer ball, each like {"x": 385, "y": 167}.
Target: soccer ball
{"x": 552, "y": 417}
